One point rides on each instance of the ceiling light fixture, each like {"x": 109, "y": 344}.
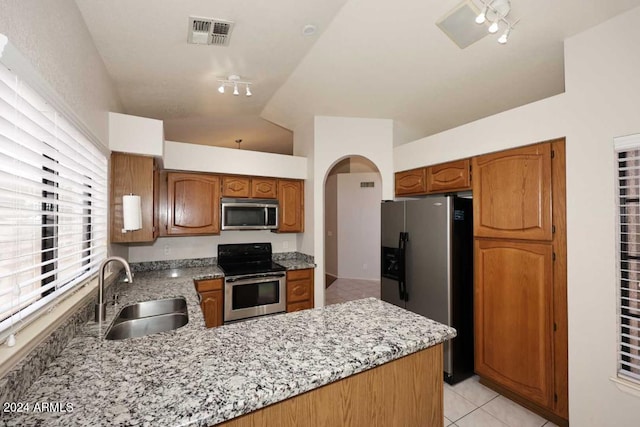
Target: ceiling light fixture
{"x": 483, "y": 15}
{"x": 234, "y": 81}
{"x": 308, "y": 30}
{"x": 496, "y": 11}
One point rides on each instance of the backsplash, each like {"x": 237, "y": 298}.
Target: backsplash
{"x": 204, "y": 262}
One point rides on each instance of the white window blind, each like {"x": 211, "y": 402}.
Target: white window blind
{"x": 53, "y": 204}
{"x": 628, "y": 244}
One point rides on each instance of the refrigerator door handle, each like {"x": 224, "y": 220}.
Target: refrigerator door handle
{"x": 402, "y": 285}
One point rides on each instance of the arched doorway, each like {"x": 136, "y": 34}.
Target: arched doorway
{"x": 352, "y": 230}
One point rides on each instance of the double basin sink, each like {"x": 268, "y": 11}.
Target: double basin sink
{"x": 149, "y": 317}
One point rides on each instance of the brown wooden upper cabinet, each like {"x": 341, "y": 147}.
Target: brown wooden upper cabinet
{"x": 291, "y": 206}
{"x": 134, "y": 174}
{"x": 193, "y": 204}
{"x": 247, "y": 186}
{"x": 451, "y": 176}
{"x": 512, "y": 193}
{"x": 411, "y": 182}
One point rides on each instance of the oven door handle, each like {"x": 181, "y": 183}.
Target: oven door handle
{"x": 258, "y": 278}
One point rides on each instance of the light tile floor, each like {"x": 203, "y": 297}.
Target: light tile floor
{"x": 466, "y": 404}
{"x": 470, "y": 404}
{"x": 343, "y": 290}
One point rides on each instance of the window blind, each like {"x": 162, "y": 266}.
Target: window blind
{"x": 53, "y": 204}
{"x": 628, "y": 254}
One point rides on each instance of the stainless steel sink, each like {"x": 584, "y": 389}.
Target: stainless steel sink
{"x": 149, "y": 317}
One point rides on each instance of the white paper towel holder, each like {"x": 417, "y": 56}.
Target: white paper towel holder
{"x": 131, "y": 213}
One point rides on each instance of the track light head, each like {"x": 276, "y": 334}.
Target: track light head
{"x": 482, "y": 16}
{"x": 493, "y": 28}
{"x": 248, "y": 92}
{"x": 505, "y": 36}
{"x": 221, "y": 88}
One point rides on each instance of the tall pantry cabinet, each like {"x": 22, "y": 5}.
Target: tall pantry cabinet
{"x": 520, "y": 275}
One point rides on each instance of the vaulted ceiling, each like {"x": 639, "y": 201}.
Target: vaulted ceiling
{"x": 368, "y": 58}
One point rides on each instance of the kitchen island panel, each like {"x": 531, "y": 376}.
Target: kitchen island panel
{"x": 405, "y": 392}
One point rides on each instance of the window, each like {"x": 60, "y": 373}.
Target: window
{"x": 628, "y": 232}
{"x": 53, "y": 203}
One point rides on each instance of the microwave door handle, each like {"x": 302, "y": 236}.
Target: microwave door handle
{"x": 266, "y": 216}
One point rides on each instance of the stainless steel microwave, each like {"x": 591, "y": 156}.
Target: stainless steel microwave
{"x": 249, "y": 214}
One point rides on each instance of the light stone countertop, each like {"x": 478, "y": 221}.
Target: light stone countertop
{"x": 194, "y": 376}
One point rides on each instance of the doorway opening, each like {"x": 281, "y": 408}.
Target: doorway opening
{"x": 353, "y": 191}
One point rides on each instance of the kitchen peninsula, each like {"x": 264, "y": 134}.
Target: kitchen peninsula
{"x": 346, "y": 360}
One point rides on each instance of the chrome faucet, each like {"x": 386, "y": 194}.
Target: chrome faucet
{"x": 101, "y": 306}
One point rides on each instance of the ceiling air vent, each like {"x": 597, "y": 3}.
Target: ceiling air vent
{"x": 209, "y": 31}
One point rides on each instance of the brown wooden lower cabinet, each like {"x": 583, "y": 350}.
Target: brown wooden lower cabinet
{"x": 513, "y": 317}
{"x": 299, "y": 289}
{"x": 403, "y": 392}
{"x": 211, "y": 301}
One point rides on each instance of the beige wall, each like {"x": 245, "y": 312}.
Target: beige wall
{"x": 601, "y": 102}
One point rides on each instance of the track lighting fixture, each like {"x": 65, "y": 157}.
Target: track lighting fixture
{"x": 234, "y": 81}
{"x": 496, "y": 11}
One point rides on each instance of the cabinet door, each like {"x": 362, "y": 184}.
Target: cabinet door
{"x": 236, "y": 186}
{"x": 212, "y": 306}
{"x": 411, "y": 182}
{"x": 264, "y": 188}
{"x": 452, "y": 176}
{"x": 134, "y": 174}
{"x": 512, "y": 193}
{"x": 513, "y": 316}
{"x": 193, "y": 204}
{"x": 291, "y": 206}
{"x": 299, "y": 289}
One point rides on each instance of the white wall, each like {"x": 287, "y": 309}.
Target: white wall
{"x": 204, "y": 158}
{"x": 358, "y": 212}
{"x": 324, "y": 142}
{"x": 601, "y": 102}
{"x": 139, "y": 135}
{"x": 168, "y": 248}
{"x": 53, "y": 36}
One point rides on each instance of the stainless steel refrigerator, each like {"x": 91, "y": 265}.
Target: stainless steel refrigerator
{"x": 427, "y": 268}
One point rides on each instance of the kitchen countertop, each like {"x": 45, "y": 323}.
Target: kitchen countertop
{"x": 198, "y": 376}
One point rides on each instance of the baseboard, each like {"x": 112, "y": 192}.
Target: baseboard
{"x": 329, "y": 279}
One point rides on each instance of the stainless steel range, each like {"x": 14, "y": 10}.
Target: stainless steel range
{"x": 254, "y": 285}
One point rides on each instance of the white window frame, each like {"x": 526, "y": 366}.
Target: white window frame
{"x": 76, "y": 166}
{"x": 627, "y": 157}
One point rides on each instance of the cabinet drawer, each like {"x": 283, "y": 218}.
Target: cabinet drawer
{"x": 298, "y": 290}
{"x": 300, "y": 274}
{"x": 297, "y": 306}
{"x": 208, "y": 285}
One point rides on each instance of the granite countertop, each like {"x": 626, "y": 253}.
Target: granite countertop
{"x": 194, "y": 376}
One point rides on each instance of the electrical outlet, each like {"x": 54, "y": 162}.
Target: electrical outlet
{"x": 285, "y": 245}
{"x": 365, "y": 266}
{"x": 167, "y": 250}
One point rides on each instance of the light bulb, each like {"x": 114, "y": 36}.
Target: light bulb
{"x": 248, "y": 93}
{"x": 235, "y": 89}
{"x": 505, "y": 36}
{"x": 493, "y": 28}
{"x": 221, "y": 88}
{"x": 482, "y": 17}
